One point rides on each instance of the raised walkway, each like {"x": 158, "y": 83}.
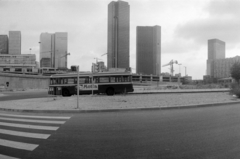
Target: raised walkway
{"x": 139, "y": 100}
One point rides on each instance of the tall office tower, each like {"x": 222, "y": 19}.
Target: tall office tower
{"x": 118, "y": 34}
{"x": 14, "y": 45}
{"x": 60, "y": 48}
{"x": 3, "y": 44}
{"x": 216, "y": 50}
{"x": 46, "y": 50}
{"x": 53, "y": 50}
{"x": 148, "y": 50}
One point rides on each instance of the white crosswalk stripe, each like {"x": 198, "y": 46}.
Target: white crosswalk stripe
{"x": 34, "y": 121}
{"x": 24, "y": 134}
{"x": 29, "y": 126}
{"x": 7, "y": 157}
{"x": 10, "y": 122}
{"x": 43, "y": 117}
{"x": 18, "y": 145}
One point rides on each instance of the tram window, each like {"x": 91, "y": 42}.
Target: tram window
{"x": 103, "y": 79}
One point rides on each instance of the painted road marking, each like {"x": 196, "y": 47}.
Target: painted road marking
{"x": 34, "y": 121}
{"x": 29, "y": 126}
{"x": 7, "y": 157}
{"x": 43, "y": 117}
{"x": 24, "y": 134}
{"x": 18, "y": 145}
{"x": 10, "y": 122}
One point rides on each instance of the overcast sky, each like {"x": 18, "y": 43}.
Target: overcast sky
{"x": 186, "y": 25}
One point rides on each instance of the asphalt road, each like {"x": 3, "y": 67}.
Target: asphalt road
{"x": 210, "y": 132}
{"x": 23, "y": 95}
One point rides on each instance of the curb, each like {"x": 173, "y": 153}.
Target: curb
{"x": 173, "y": 92}
{"x": 121, "y": 110}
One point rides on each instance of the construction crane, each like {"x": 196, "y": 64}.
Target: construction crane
{"x": 171, "y": 66}
{"x": 104, "y": 54}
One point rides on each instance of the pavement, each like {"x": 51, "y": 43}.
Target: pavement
{"x": 141, "y": 99}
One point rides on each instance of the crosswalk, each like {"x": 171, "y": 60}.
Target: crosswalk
{"x": 23, "y": 133}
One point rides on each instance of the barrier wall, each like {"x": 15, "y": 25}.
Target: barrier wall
{"x": 21, "y": 81}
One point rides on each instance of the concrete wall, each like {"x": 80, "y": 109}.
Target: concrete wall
{"x": 21, "y": 81}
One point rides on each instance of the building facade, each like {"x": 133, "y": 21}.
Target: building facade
{"x": 14, "y": 45}
{"x": 222, "y": 67}
{"x": 60, "y": 47}
{"x": 53, "y": 50}
{"x": 148, "y": 50}
{"x": 118, "y": 35}
{"x": 216, "y": 50}
{"x": 3, "y": 44}
{"x": 17, "y": 63}
{"x": 46, "y": 50}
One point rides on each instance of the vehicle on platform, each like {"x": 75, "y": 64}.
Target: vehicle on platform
{"x": 96, "y": 83}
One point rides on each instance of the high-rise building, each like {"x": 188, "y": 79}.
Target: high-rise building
{"x": 14, "y": 45}
{"x": 46, "y": 50}
{"x": 118, "y": 34}
{"x": 53, "y": 50}
{"x": 216, "y": 50}
{"x": 60, "y": 44}
{"x": 3, "y": 44}
{"x": 148, "y": 50}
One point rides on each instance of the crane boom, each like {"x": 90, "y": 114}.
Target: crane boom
{"x": 171, "y": 65}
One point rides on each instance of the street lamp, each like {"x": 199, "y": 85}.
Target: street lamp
{"x": 30, "y": 50}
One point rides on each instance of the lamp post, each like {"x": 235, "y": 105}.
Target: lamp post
{"x": 77, "y": 86}
{"x": 30, "y": 50}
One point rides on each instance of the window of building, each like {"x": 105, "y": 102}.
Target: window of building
{"x": 18, "y": 69}
{"x": 6, "y": 69}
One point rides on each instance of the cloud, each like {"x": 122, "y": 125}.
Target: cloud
{"x": 222, "y": 23}
{"x": 224, "y": 7}
{"x": 178, "y": 45}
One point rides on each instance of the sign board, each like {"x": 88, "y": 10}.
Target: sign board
{"x": 88, "y": 87}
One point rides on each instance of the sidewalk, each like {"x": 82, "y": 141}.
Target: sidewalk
{"x": 146, "y": 91}
{"x": 96, "y": 103}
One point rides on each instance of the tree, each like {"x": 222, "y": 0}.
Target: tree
{"x": 235, "y": 71}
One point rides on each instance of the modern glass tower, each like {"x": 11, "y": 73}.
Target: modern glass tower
{"x": 216, "y": 50}
{"x": 46, "y": 50}
{"x": 3, "y": 44}
{"x": 53, "y": 50}
{"x": 14, "y": 43}
{"x": 148, "y": 50}
{"x": 118, "y": 34}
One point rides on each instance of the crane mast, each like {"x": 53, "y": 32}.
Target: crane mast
{"x": 171, "y": 66}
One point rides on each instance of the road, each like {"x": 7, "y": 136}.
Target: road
{"x": 210, "y": 132}
{"x": 23, "y": 95}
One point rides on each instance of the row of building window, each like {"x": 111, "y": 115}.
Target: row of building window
{"x": 16, "y": 70}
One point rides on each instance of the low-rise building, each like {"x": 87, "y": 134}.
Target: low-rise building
{"x": 222, "y": 67}
{"x": 18, "y": 63}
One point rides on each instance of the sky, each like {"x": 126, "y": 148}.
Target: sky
{"x": 186, "y": 26}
